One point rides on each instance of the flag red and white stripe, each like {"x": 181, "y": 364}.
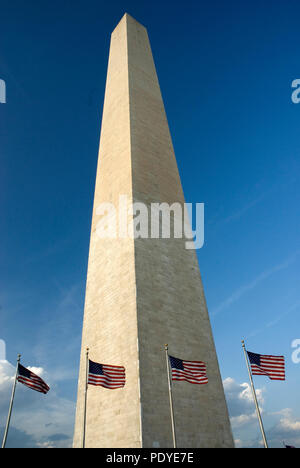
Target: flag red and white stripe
{"x": 31, "y": 380}
{"x": 264, "y": 364}
{"x": 190, "y": 371}
{"x": 106, "y": 375}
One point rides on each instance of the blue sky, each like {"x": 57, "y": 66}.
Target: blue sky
{"x": 225, "y": 71}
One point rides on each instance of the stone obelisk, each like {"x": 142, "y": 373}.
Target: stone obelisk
{"x": 142, "y": 293}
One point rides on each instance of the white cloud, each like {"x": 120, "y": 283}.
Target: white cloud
{"x": 47, "y": 444}
{"x": 280, "y": 426}
{"x": 37, "y": 420}
{"x": 287, "y": 422}
{"x": 240, "y": 403}
{"x": 238, "y": 443}
{"x": 242, "y": 412}
{"x": 37, "y": 370}
{"x": 2, "y": 350}
{"x": 7, "y": 372}
{"x": 242, "y": 419}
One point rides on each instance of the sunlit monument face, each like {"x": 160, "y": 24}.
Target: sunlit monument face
{"x": 143, "y": 292}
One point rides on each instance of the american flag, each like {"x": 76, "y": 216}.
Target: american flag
{"x": 190, "y": 371}
{"x": 271, "y": 366}
{"x": 105, "y": 375}
{"x": 31, "y": 380}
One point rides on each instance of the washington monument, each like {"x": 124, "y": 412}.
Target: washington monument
{"x": 142, "y": 293}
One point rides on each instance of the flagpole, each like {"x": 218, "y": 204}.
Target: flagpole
{"x": 255, "y": 398}
{"x": 11, "y": 403}
{"x": 85, "y": 396}
{"x": 171, "y": 398}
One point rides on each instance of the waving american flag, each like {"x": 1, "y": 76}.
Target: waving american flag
{"x": 106, "y": 375}
{"x": 264, "y": 364}
{"x": 31, "y": 380}
{"x": 191, "y": 371}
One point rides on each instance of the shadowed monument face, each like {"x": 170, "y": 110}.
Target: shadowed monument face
{"x": 143, "y": 292}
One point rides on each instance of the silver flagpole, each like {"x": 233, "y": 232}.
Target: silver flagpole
{"x": 255, "y": 398}
{"x": 171, "y": 398}
{"x": 11, "y": 403}
{"x": 85, "y": 396}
